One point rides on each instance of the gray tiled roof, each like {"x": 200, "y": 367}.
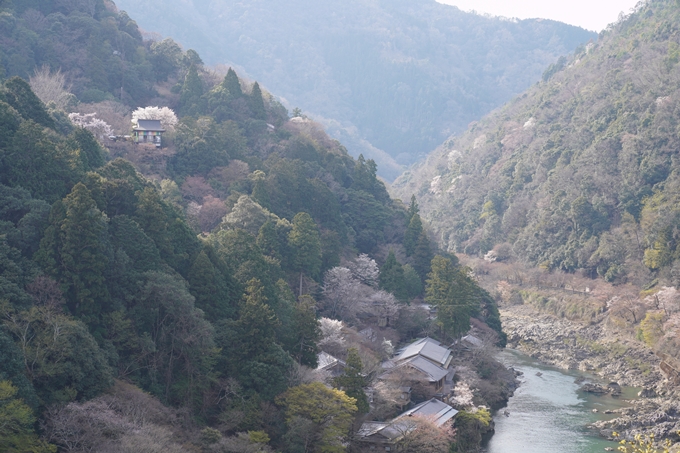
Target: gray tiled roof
{"x": 434, "y": 409}
{"x": 434, "y": 372}
{"x": 326, "y": 361}
{"x": 426, "y": 347}
{"x": 149, "y": 125}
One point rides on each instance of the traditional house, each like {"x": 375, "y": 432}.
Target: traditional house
{"x": 424, "y": 377}
{"x": 427, "y": 348}
{"x": 148, "y": 131}
{"x": 385, "y": 436}
{"x": 471, "y": 342}
{"x": 424, "y": 365}
{"x": 329, "y": 364}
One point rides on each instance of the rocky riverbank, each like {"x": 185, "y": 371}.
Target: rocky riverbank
{"x": 603, "y": 352}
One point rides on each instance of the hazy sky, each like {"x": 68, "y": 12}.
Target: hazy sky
{"x": 590, "y": 14}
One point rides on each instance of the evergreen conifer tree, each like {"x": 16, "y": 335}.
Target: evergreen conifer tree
{"x": 352, "y": 380}
{"x": 260, "y": 193}
{"x": 92, "y": 154}
{"x": 412, "y": 282}
{"x": 83, "y": 254}
{"x": 453, "y": 293}
{"x": 257, "y": 321}
{"x": 257, "y": 103}
{"x": 19, "y": 95}
{"x": 268, "y": 240}
{"x": 392, "y": 277}
{"x": 74, "y": 252}
{"x": 422, "y": 255}
{"x": 209, "y": 287}
{"x": 412, "y": 234}
{"x": 192, "y": 90}
{"x": 413, "y": 208}
{"x": 305, "y": 245}
{"x": 307, "y": 332}
{"x": 232, "y": 84}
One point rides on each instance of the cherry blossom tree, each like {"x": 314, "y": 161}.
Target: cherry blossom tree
{"x": 164, "y": 114}
{"x": 89, "y": 121}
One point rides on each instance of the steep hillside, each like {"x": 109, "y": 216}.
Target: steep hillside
{"x": 581, "y": 172}
{"x": 391, "y": 79}
{"x": 195, "y": 272}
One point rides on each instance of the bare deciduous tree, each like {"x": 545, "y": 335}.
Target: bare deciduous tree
{"x": 51, "y": 87}
{"x": 422, "y": 435}
{"x": 365, "y": 270}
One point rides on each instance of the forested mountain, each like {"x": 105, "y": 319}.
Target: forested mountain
{"x": 581, "y": 171}
{"x": 195, "y": 272}
{"x": 390, "y": 79}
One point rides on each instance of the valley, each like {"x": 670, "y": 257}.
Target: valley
{"x": 188, "y": 263}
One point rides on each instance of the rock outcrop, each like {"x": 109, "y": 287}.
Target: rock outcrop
{"x": 603, "y": 352}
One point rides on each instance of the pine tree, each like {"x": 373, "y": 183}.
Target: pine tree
{"x": 352, "y": 381}
{"x": 232, "y": 84}
{"x": 257, "y": 103}
{"x": 392, "y": 277}
{"x": 412, "y": 234}
{"x": 306, "y": 246}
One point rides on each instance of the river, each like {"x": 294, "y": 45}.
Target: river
{"x": 549, "y": 412}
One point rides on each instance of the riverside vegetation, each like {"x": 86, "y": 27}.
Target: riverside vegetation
{"x": 578, "y": 178}
{"x": 171, "y": 302}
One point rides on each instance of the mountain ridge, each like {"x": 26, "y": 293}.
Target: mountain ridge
{"x": 388, "y": 76}
{"x": 577, "y": 167}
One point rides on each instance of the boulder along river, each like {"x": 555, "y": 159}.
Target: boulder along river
{"x": 549, "y": 412}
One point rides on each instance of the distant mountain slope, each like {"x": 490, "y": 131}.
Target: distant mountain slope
{"x": 398, "y": 76}
{"x": 581, "y": 171}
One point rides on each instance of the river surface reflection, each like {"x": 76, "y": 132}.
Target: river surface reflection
{"x": 549, "y": 413}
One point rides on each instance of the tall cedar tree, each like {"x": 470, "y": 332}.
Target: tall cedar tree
{"x": 392, "y": 277}
{"x": 422, "y": 255}
{"x": 413, "y": 208}
{"x": 19, "y": 95}
{"x": 307, "y": 332}
{"x": 453, "y": 293}
{"x": 192, "y": 90}
{"x": 91, "y": 152}
{"x": 232, "y": 84}
{"x": 257, "y": 103}
{"x": 74, "y": 252}
{"x": 305, "y": 243}
{"x": 352, "y": 382}
{"x": 268, "y": 240}
{"x": 257, "y": 321}
{"x": 412, "y": 234}
{"x": 210, "y": 287}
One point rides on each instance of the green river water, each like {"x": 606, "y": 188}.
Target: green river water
{"x": 548, "y": 413}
